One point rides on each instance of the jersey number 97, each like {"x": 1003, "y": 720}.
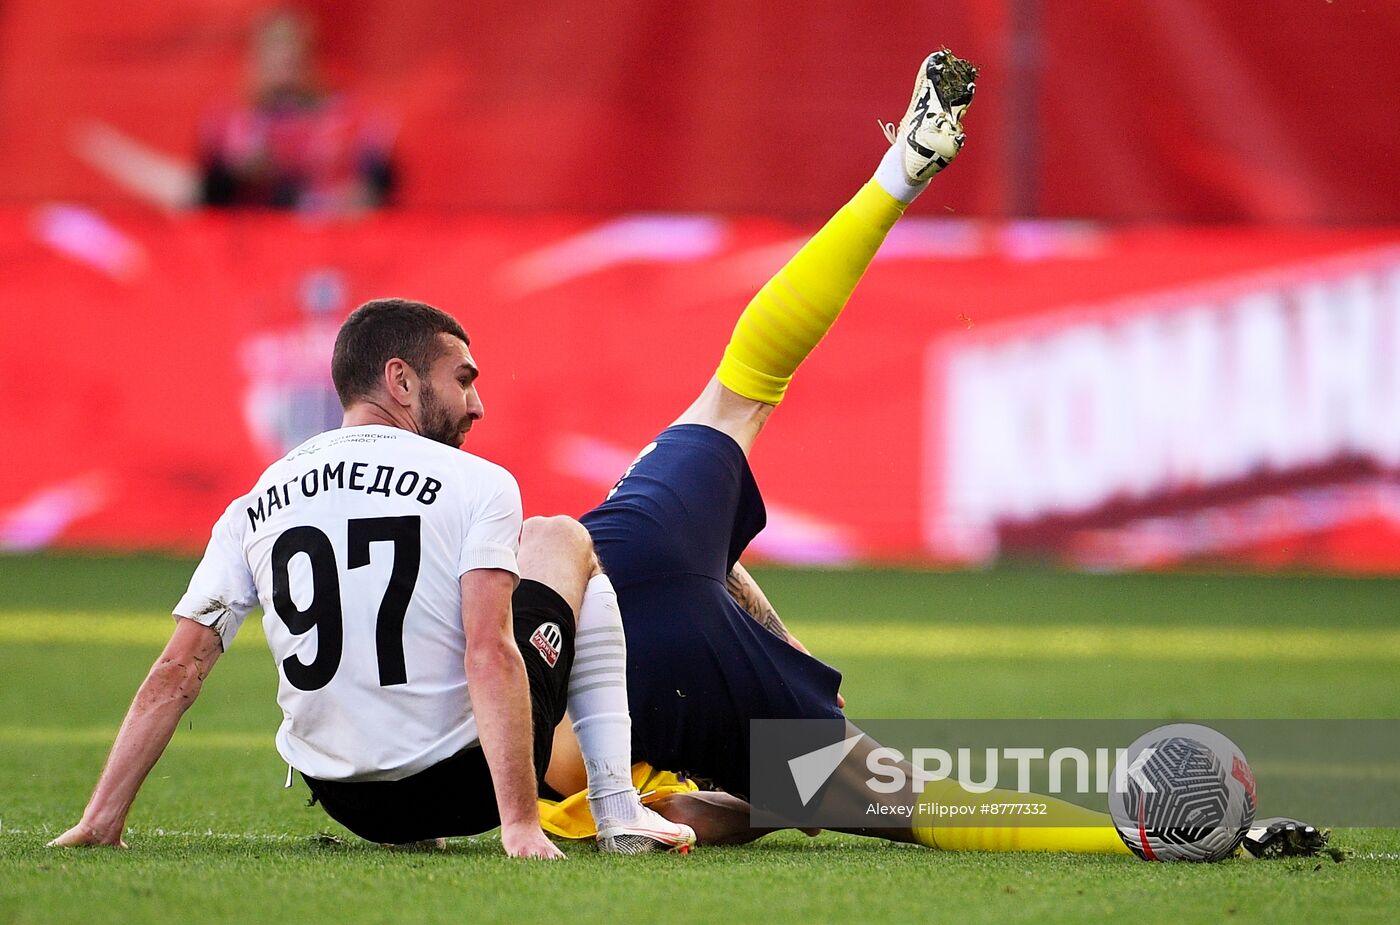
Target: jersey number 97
{"x": 323, "y": 612}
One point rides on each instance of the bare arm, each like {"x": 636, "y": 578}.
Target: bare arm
{"x": 501, "y": 702}
{"x": 168, "y": 691}
{"x": 750, "y": 596}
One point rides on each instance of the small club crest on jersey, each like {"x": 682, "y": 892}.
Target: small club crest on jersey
{"x": 547, "y": 639}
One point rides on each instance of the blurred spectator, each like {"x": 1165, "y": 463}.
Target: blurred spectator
{"x": 293, "y": 145}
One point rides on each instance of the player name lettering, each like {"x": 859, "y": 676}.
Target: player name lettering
{"x": 344, "y": 476}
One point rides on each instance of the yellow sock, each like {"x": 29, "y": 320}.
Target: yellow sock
{"x": 1097, "y": 840}
{"x": 795, "y": 309}
{"x": 1064, "y": 827}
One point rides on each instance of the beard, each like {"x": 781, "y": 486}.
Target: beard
{"x": 437, "y": 423}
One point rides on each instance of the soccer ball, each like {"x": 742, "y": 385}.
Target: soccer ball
{"x": 1191, "y": 798}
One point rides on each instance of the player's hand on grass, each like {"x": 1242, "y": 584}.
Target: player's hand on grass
{"x": 529, "y": 841}
{"x": 82, "y": 835}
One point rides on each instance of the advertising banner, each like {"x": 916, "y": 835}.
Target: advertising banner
{"x": 1131, "y": 398}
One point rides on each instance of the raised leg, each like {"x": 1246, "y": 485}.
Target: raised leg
{"x": 793, "y": 311}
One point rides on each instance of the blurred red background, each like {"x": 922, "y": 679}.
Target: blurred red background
{"x": 596, "y": 189}
{"x": 1118, "y": 109}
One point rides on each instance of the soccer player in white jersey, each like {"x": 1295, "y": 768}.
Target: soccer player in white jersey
{"x": 422, "y": 663}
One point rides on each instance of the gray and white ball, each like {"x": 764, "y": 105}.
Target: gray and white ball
{"x": 1191, "y": 798}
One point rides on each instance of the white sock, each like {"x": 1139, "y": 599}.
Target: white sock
{"x": 892, "y": 178}
{"x": 598, "y": 706}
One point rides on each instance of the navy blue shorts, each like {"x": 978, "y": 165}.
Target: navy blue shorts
{"x": 698, "y": 667}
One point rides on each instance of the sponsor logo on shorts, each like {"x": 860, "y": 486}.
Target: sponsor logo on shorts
{"x": 547, "y": 639}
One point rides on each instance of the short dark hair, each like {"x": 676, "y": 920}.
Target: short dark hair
{"x": 380, "y": 330}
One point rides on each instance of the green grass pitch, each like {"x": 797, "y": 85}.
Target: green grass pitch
{"x": 215, "y": 837}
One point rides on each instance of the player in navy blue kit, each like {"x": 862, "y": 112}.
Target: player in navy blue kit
{"x": 700, "y": 665}
{"x": 707, "y": 654}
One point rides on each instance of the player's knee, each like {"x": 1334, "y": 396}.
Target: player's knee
{"x": 557, "y": 536}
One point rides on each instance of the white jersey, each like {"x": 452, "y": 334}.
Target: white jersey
{"x": 354, "y": 544}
